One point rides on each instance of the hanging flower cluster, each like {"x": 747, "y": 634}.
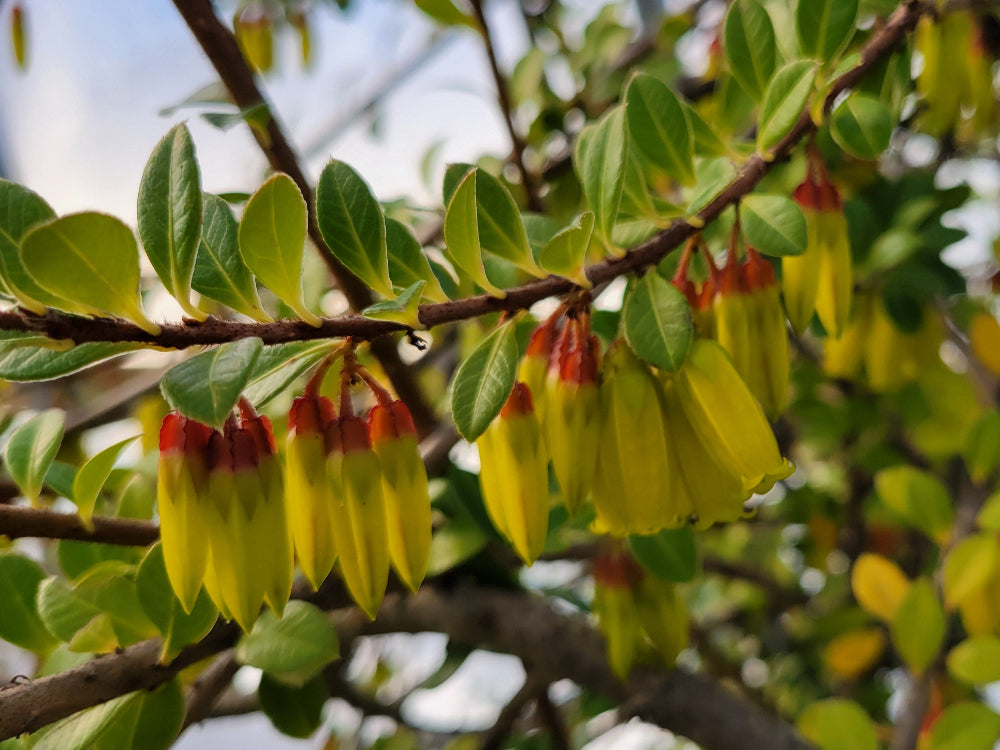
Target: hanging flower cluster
{"x": 353, "y": 491}
{"x": 636, "y": 611}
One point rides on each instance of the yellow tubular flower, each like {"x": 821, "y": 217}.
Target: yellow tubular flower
{"x": 514, "y": 475}
{"x": 307, "y": 489}
{"x": 663, "y": 616}
{"x": 769, "y": 335}
{"x": 842, "y": 357}
{"x": 534, "y": 368}
{"x": 615, "y": 575}
{"x": 732, "y": 316}
{"x": 634, "y": 484}
{"x": 360, "y": 528}
{"x": 728, "y": 419}
{"x": 404, "y": 486}
{"x": 572, "y": 411}
{"x": 182, "y": 483}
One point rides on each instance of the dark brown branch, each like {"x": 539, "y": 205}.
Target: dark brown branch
{"x": 19, "y": 521}
{"x": 552, "y": 718}
{"x": 213, "y": 331}
{"x": 507, "y": 110}
{"x": 220, "y": 46}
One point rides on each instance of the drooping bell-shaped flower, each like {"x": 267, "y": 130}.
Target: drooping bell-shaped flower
{"x": 514, "y": 475}
{"x": 821, "y": 279}
{"x": 615, "y": 575}
{"x": 182, "y": 486}
{"x": 307, "y": 486}
{"x": 534, "y": 368}
{"x": 732, "y": 316}
{"x": 404, "y": 486}
{"x": 634, "y": 486}
{"x": 662, "y": 615}
{"x": 360, "y": 528}
{"x": 572, "y": 410}
{"x": 769, "y": 360}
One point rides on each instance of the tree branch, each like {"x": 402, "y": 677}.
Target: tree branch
{"x": 207, "y": 689}
{"x": 220, "y": 46}
{"x": 494, "y": 737}
{"x": 18, "y": 521}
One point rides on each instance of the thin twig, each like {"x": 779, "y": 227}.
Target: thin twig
{"x": 495, "y": 736}
{"x": 553, "y": 719}
{"x": 507, "y": 110}
{"x": 206, "y": 690}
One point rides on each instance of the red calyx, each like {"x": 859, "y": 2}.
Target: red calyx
{"x": 821, "y": 195}
{"x": 178, "y": 434}
{"x": 518, "y": 402}
{"x": 543, "y": 338}
{"x": 354, "y": 434}
{"x": 759, "y": 273}
{"x": 260, "y": 431}
{"x": 616, "y": 570}
{"x": 310, "y": 415}
{"x": 392, "y": 421}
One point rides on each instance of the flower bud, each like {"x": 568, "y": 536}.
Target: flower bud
{"x": 253, "y": 32}
{"x": 634, "y": 486}
{"x": 307, "y": 486}
{"x": 514, "y": 475}
{"x": 182, "y": 484}
{"x": 360, "y": 529}
{"x": 768, "y": 379}
{"x": 615, "y": 575}
{"x": 404, "y": 486}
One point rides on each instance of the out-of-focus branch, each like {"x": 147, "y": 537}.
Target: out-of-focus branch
{"x": 207, "y": 689}
{"x": 495, "y": 736}
{"x": 220, "y": 46}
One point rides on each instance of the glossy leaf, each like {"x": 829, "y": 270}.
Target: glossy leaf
{"x": 825, "y": 26}
{"x": 407, "y": 262}
{"x": 177, "y": 627}
{"x": 293, "y": 649}
{"x": 30, "y": 363}
{"x": 919, "y": 498}
{"x": 31, "y": 449}
{"x": 150, "y": 720}
{"x": 454, "y": 543}
{"x": 918, "y": 627}
{"x": 658, "y": 127}
{"x": 501, "y": 229}
{"x": 272, "y": 235}
{"x": 566, "y": 253}
{"x": 169, "y": 214}
{"x": 705, "y": 140}
{"x": 714, "y": 175}
{"x": 219, "y": 270}
{"x": 279, "y": 366}
{"x": 967, "y": 568}
{"x": 20, "y": 210}
{"x": 670, "y": 554}
{"x": 351, "y": 220}
{"x": 445, "y": 13}
{"x": 600, "y": 159}
{"x": 879, "y": 585}
{"x": 658, "y": 323}
{"x": 20, "y": 623}
{"x": 207, "y": 386}
{"x": 90, "y": 261}
{"x": 461, "y": 234}
{"x": 484, "y": 381}
{"x": 965, "y": 726}
{"x": 402, "y": 309}
{"x": 976, "y": 660}
{"x": 91, "y": 477}
{"x": 295, "y": 711}
{"x": 786, "y": 97}
{"x": 838, "y": 724}
{"x": 750, "y": 46}
{"x": 862, "y": 126}
{"x": 773, "y": 225}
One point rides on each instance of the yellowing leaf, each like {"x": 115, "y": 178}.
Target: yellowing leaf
{"x": 879, "y": 585}
{"x": 919, "y": 498}
{"x": 853, "y": 653}
{"x": 984, "y": 338}
{"x": 976, "y": 660}
{"x": 968, "y": 567}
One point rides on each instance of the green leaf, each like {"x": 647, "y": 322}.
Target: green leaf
{"x": 77, "y": 558}
{"x": 90, "y": 261}
{"x": 976, "y": 660}
{"x": 272, "y": 236}
{"x": 169, "y": 214}
{"x": 658, "y": 127}
{"x": 352, "y": 223}
{"x": 658, "y": 323}
{"x": 968, "y": 567}
{"x": 669, "y": 554}
{"x": 403, "y": 309}
{"x": 706, "y": 141}
{"x": 988, "y": 518}
{"x": 445, "y": 13}
{"x": 278, "y": 366}
{"x": 965, "y": 726}
{"x": 177, "y": 627}
{"x": 750, "y": 46}
{"x": 786, "y": 97}
{"x": 484, "y": 381}
{"x": 773, "y": 224}
{"x": 207, "y": 386}
{"x": 30, "y": 363}
{"x": 31, "y": 449}
{"x": 919, "y": 498}
{"x": 293, "y": 649}
{"x": 20, "y": 210}
{"x": 91, "y": 477}
{"x": 20, "y": 623}
{"x": 918, "y": 627}
{"x": 600, "y": 157}
{"x": 407, "y": 262}
{"x": 838, "y": 724}
{"x": 566, "y": 253}
{"x": 825, "y": 27}
{"x": 295, "y": 711}
{"x": 461, "y": 234}
{"x": 150, "y": 720}
{"x": 862, "y": 126}
{"x": 714, "y": 175}
{"x": 454, "y": 543}
{"x": 219, "y": 270}
{"x": 981, "y": 451}
{"x": 501, "y": 229}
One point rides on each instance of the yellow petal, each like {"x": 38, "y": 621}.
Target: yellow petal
{"x": 800, "y": 277}
{"x": 663, "y": 617}
{"x": 836, "y": 276}
{"x": 407, "y": 506}
{"x": 182, "y": 530}
{"x": 619, "y": 621}
{"x": 309, "y": 507}
{"x": 572, "y": 424}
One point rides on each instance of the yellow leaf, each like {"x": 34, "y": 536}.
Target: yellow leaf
{"x": 853, "y": 653}
{"x": 879, "y": 585}
{"x": 984, "y": 337}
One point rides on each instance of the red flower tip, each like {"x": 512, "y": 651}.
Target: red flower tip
{"x": 310, "y": 415}
{"x": 617, "y": 570}
{"x": 386, "y": 422}
{"x": 758, "y": 272}
{"x": 178, "y": 434}
{"x": 518, "y": 402}
{"x": 354, "y": 434}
